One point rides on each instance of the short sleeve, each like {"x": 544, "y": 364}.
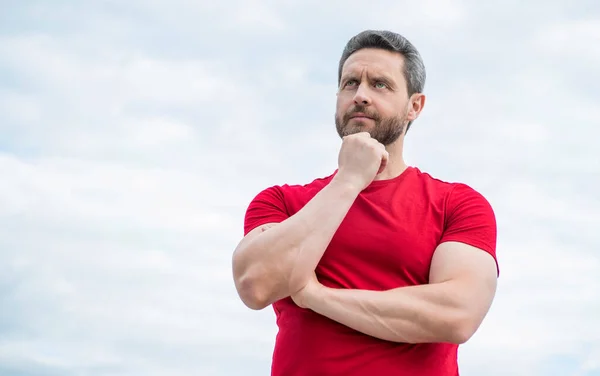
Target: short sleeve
{"x": 267, "y": 207}
{"x": 470, "y": 219}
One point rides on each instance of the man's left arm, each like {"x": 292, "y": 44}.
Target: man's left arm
{"x": 450, "y": 308}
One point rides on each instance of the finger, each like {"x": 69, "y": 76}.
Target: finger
{"x": 384, "y": 161}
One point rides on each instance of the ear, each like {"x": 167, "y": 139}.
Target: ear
{"x": 416, "y": 104}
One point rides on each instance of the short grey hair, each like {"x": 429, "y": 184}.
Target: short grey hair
{"x": 414, "y": 68}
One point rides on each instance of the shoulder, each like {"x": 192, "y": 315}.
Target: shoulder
{"x": 468, "y": 216}
{"x": 453, "y": 193}
{"x": 288, "y": 190}
{"x": 276, "y": 203}
{"x": 465, "y": 200}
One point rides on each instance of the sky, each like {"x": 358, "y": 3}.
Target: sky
{"x": 133, "y": 135}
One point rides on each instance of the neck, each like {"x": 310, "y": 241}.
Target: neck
{"x": 396, "y": 165}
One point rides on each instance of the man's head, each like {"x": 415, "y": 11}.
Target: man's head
{"x": 380, "y": 82}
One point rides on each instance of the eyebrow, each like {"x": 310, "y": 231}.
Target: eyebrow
{"x": 348, "y": 76}
{"x": 372, "y": 78}
{"x": 385, "y": 79}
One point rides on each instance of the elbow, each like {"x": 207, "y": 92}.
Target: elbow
{"x": 460, "y": 336}
{"x": 250, "y": 292}
{"x": 462, "y": 330}
{"x": 248, "y": 284}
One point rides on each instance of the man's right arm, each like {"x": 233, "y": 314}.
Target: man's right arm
{"x": 275, "y": 260}
{"x": 273, "y": 263}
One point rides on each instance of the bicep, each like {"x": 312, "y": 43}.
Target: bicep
{"x": 252, "y": 234}
{"x": 470, "y": 270}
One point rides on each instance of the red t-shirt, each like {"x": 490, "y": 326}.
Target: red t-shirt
{"x": 386, "y": 241}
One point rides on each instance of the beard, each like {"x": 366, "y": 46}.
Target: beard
{"x": 386, "y": 130}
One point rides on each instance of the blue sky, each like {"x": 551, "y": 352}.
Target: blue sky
{"x": 133, "y": 135}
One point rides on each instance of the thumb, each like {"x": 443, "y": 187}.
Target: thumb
{"x": 384, "y": 161}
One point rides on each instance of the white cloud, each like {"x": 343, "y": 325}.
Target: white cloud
{"x": 579, "y": 38}
{"x": 110, "y": 253}
{"x": 254, "y": 16}
{"x": 438, "y": 14}
{"x": 131, "y": 148}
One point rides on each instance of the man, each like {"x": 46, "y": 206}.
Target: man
{"x": 379, "y": 268}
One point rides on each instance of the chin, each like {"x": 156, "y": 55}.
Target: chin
{"x": 354, "y": 130}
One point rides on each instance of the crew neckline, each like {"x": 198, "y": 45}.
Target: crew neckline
{"x": 396, "y": 179}
{"x": 384, "y": 182}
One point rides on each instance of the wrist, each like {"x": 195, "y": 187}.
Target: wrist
{"x": 346, "y": 186}
{"x": 317, "y": 297}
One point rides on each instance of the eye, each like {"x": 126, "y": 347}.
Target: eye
{"x": 350, "y": 82}
{"x": 381, "y": 85}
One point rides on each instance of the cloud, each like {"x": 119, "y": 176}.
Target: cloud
{"x": 117, "y": 266}
{"x": 572, "y": 38}
{"x": 134, "y": 136}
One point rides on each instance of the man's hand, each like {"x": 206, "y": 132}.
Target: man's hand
{"x": 360, "y": 159}
{"x": 448, "y": 309}
{"x": 308, "y": 293}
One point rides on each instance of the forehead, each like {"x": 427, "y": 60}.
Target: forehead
{"x": 375, "y": 60}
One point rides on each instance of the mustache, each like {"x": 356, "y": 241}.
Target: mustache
{"x": 360, "y": 109}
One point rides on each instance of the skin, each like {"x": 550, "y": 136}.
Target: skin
{"x": 373, "y": 82}
{"x": 449, "y": 309}
{"x": 275, "y": 261}
{"x": 278, "y": 260}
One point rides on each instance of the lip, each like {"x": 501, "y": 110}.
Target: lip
{"x": 360, "y": 116}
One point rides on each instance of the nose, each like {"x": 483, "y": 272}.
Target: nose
{"x": 361, "y": 97}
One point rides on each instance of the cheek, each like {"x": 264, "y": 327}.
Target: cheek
{"x": 400, "y": 110}
{"x": 341, "y": 105}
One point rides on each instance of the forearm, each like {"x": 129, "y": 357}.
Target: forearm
{"x": 415, "y": 314}
{"x": 277, "y": 262}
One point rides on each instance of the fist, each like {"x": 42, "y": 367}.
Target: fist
{"x": 361, "y": 159}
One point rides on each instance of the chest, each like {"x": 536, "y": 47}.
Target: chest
{"x": 383, "y": 243}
